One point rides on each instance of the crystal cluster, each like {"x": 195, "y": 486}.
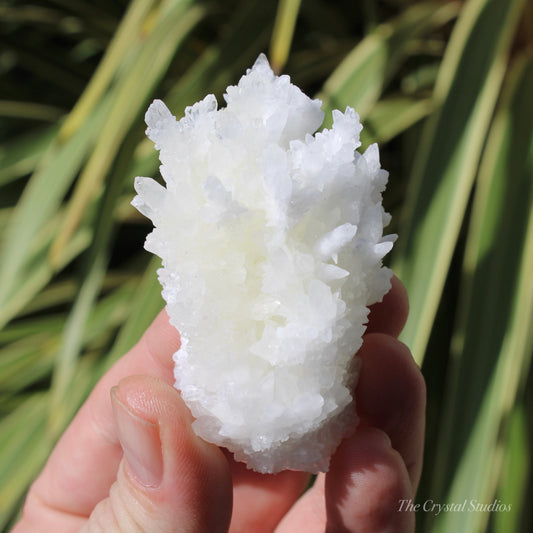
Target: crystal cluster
{"x": 271, "y": 240}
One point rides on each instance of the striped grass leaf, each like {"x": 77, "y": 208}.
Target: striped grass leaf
{"x": 105, "y": 318}
{"x": 37, "y": 272}
{"x": 23, "y": 329}
{"x": 130, "y": 96}
{"x": 27, "y": 360}
{"x": 15, "y": 426}
{"x": 66, "y": 362}
{"x": 40, "y": 201}
{"x": 392, "y": 116}
{"x": 493, "y": 342}
{"x": 516, "y": 470}
{"x": 362, "y": 76}
{"x": 515, "y": 473}
{"x": 30, "y": 347}
{"x": 10, "y": 403}
{"x": 126, "y": 37}
{"x": 465, "y": 96}
{"x": 89, "y": 329}
{"x": 29, "y": 111}
{"x": 23, "y": 450}
{"x": 477, "y": 474}
{"x": 20, "y": 156}
{"x": 148, "y": 302}
{"x": 109, "y": 312}
{"x": 92, "y": 276}
{"x": 64, "y": 291}
{"x": 280, "y": 43}
{"x": 420, "y": 79}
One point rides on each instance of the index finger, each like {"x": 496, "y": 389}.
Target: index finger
{"x": 389, "y": 315}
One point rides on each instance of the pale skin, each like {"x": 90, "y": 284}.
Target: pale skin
{"x": 130, "y": 462}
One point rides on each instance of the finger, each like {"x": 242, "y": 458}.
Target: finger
{"x": 169, "y": 478}
{"x": 261, "y": 500}
{"x": 362, "y": 491}
{"x": 68, "y": 484}
{"x": 391, "y": 396}
{"x": 389, "y": 315}
{"x": 365, "y": 486}
{"x": 308, "y": 515}
{"x": 379, "y": 466}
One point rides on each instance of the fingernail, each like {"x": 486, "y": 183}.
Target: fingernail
{"x": 141, "y": 443}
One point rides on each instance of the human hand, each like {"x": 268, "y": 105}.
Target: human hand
{"x": 133, "y": 464}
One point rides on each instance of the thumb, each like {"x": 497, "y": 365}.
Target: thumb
{"x": 169, "y": 479}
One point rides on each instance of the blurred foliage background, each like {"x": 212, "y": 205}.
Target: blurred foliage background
{"x": 446, "y": 89}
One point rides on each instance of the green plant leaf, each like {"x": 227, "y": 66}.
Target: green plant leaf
{"x": 26, "y": 361}
{"x": 284, "y": 24}
{"x": 392, "y": 116}
{"x": 126, "y": 37}
{"x": 466, "y": 93}
{"x": 92, "y": 277}
{"x": 493, "y": 341}
{"x": 516, "y": 470}
{"x": 21, "y": 155}
{"x": 40, "y": 201}
{"x": 37, "y": 272}
{"x": 23, "y": 450}
{"x": 140, "y": 316}
{"x": 129, "y": 100}
{"x": 361, "y": 77}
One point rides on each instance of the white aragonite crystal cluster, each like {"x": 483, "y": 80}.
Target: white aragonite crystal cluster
{"x": 271, "y": 240}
